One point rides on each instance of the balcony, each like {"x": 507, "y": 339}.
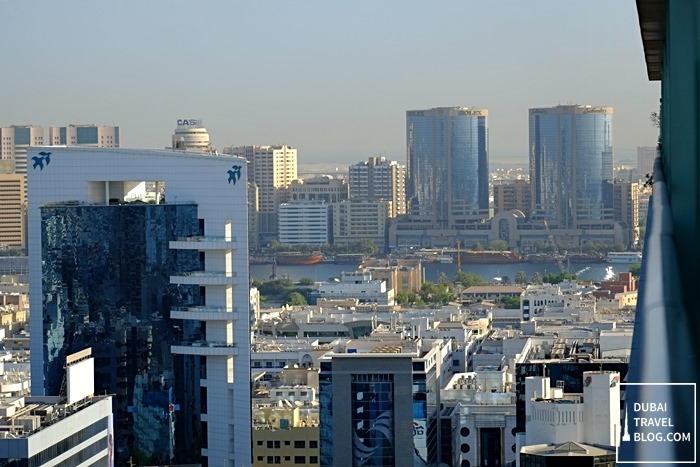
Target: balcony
{"x": 205, "y": 278}
{"x": 662, "y": 348}
{"x": 204, "y": 313}
{"x": 205, "y": 348}
{"x": 203, "y": 243}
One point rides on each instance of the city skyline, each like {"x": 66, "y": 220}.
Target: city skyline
{"x": 335, "y": 89}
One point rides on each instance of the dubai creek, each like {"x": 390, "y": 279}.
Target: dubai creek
{"x": 321, "y": 272}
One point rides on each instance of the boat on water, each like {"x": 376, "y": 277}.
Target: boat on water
{"x": 301, "y": 259}
{"x": 445, "y": 259}
{"x": 543, "y": 258}
{"x": 487, "y": 256}
{"x": 349, "y": 258}
{"x": 585, "y": 258}
{"x": 624, "y": 257}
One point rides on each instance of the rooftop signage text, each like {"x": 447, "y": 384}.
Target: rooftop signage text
{"x": 188, "y": 122}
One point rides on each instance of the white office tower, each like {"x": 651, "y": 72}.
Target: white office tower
{"x": 107, "y": 269}
{"x": 14, "y": 141}
{"x": 305, "y": 223}
{"x": 190, "y": 135}
{"x": 601, "y": 397}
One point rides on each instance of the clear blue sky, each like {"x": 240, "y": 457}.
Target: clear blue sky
{"x": 331, "y": 78}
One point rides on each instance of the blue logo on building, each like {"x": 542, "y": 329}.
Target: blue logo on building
{"x": 39, "y": 161}
{"x": 234, "y": 174}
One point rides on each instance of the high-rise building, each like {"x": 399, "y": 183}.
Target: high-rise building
{"x": 447, "y": 163}
{"x": 13, "y": 210}
{"x": 379, "y": 179}
{"x": 324, "y": 188}
{"x": 305, "y": 223}
{"x": 272, "y": 169}
{"x": 513, "y": 195}
{"x": 159, "y": 291}
{"x": 190, "y": 135}
{"x": 646, "y": 156}
{"x": 15, "y": 140}
{"x": 355, "y": 220}
{"x": 571, "y": 160}
{"x": 84, "y": 135}
{"x": 626, "y": 208}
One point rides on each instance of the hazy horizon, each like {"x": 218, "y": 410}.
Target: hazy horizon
{"x": 333, "y": 80}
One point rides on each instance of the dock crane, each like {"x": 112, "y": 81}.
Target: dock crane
{"x": 560, "y": 263}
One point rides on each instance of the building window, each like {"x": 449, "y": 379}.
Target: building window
{"x": 300, "y": 459}
{"x": 313, "y": 444}
{"x": 313, "y": 459}
{"x": 300, "y": 444}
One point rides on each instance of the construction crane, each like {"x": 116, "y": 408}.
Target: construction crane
{"x": 560, "y": 263}
{"x": 459, "y": 258}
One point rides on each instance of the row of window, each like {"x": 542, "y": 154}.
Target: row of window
{"x": 298, "y": 444}
{"x": 301, "y": 460}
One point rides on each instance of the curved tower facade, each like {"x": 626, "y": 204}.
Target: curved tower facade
{"x": 447, "y": 162}
{"x": 571, "y": 161}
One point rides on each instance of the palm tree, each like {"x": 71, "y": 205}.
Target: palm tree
{"x": 505, "y": 280}
{"x": 537, "y": 278}
{"x": 521, "y": 277}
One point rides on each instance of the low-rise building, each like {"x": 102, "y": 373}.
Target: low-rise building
{"x": 359, "y": 285}
{"x": 491, "y": 292}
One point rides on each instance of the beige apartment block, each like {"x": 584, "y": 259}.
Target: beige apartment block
{"x": 13, "y": 209}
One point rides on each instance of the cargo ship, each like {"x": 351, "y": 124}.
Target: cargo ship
{"x": 487, "y": 257}
{"x": 300, "y": 259}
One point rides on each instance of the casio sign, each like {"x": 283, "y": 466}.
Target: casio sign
{"x": 188, "y": 122}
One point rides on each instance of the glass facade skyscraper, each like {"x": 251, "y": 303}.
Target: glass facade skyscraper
{"x": 447, "y": 161}
{"x": 571, "y": 165}
{"x": 106, "y": 285}
{"x": 160, "y": 291}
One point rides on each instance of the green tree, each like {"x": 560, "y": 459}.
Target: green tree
{"x": 478, "y": 247}
{"x": 554, "y": 278}
{"x": 498, "y": 245}
{"x": 405, "y": 297}
{"x": 521, "y": 278}
{"x": 636, "y": 270}
{"x": 511, "y": 303}
{"x": 505, "y": 279}
{"x": 306, "y": 281}
{"x": 468, "y": 279}
{"x": 295, "y": 299}
{"x": 431, "y": 292}
{"x": 537, "y": 278}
